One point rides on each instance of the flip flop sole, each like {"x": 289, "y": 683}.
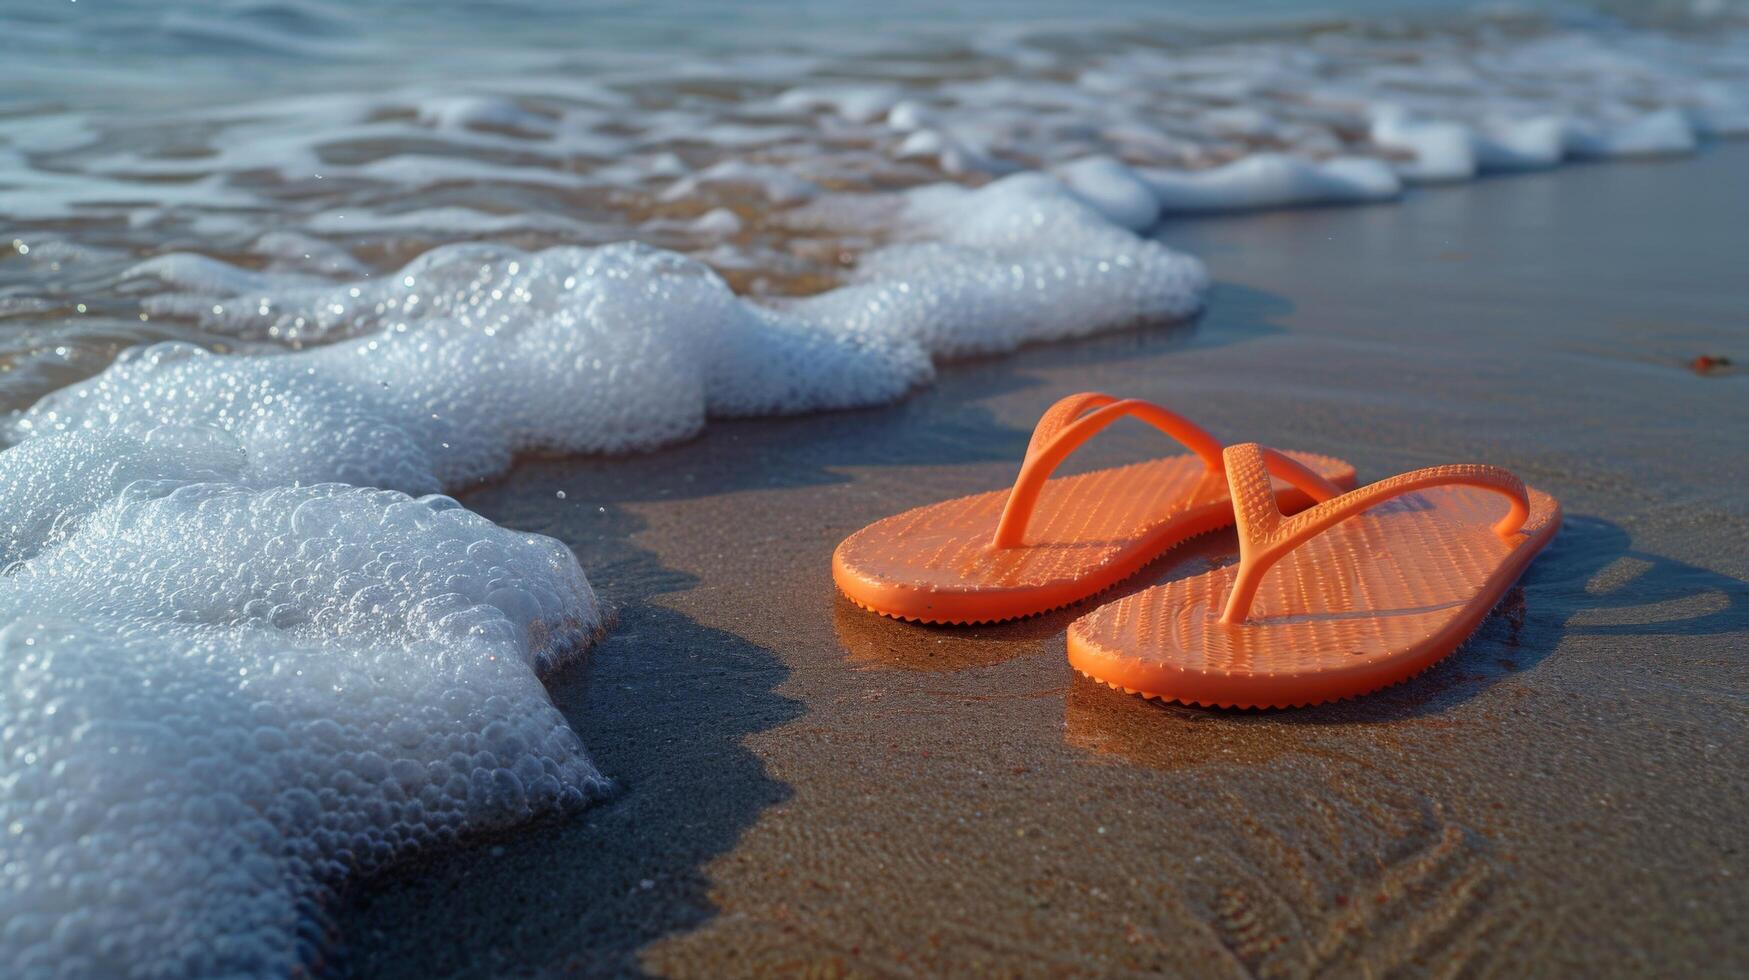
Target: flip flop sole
{"x": 1368, "y": 603}
{"x": 936, "y": 564}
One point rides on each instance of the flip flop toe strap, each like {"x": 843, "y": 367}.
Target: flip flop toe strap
{"x": 1266, "y": 536}
{"x": 1069, "y": 423}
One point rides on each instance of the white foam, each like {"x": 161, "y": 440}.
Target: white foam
{"x": 1272, "y": 180}
{"x": 951, "y": 154}
{"x": 719, "y": 222}
{"x": 1118, "y": 192}
{"x": 43, "y": 507}
{"x": 221, "y": 701}
{"x": 614, "y": 348}
{"x": 1523, "y": 144}
{"x": 1432, "y": 150}
{"x": 909, "y": 115}
{"x": 1661, "y": 133}
{"x": 774, "y": 184}
{"x": 581, "y": 350}
{"x": 857, "y": 103}
{"x": 1019, "y": 260}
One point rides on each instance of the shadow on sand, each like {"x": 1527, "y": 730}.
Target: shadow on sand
{"x": 663, "y": 705}
{"x": 1590, "y": 582}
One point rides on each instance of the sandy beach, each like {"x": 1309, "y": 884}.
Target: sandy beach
{"x": 806, "y": 788}
{"x": 426, "y": 427}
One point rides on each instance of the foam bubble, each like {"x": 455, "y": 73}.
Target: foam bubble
{"x": 1116, "y": 191}
{"x": 467, "y": 356}
{"x": 1523, "y": 144}
{"x": 220, "y": 701}
{"x": 1273, "y": 180}
{"x": 1433, "y": 150}
{"x": 42, "y": 506}
{"x": 1663, "y": 132}
{"x": 1020, "y": 260}
{"x": 473, "y": 353}
{"x": 857, "y": 103}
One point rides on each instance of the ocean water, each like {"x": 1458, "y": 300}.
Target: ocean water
{"x": 276, "y": 275}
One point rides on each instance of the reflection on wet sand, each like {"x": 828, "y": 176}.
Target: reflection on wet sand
{"x": 1113, "y": 724}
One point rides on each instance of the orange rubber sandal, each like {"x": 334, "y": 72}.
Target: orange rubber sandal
{"x": 1337, "y": 601}
{"x": 1046, "y": 542}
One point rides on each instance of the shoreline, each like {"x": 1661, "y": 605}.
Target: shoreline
{"x": 804, "y": 785}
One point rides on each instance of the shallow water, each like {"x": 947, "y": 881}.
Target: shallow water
{"x": 313, "y": 139}
{"x": 387, "y": 248}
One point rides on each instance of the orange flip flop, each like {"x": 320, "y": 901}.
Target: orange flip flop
{"x": 1354, "y": 594}
{"x": 1046, "y": 542}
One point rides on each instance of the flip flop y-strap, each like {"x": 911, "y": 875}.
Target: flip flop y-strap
{"x": 1073, "y": 420}
{"x": 1266, "y": 535}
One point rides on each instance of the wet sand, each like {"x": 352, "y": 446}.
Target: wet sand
{"x": 808, "y": 788}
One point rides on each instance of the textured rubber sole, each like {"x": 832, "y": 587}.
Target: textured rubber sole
{"x": 1166, "y": 643}
{"x": 1285, "y": 705}
{"x": 927, "y": 621}
{"x": 935, "y": 564}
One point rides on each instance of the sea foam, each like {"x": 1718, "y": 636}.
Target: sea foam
{"x": 220, "y": 700}
{"x": 244, "y": 663}
{"x": 436, "y": 375}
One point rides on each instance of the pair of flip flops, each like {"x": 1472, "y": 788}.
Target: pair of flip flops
{"x": 1357, "y": 590}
